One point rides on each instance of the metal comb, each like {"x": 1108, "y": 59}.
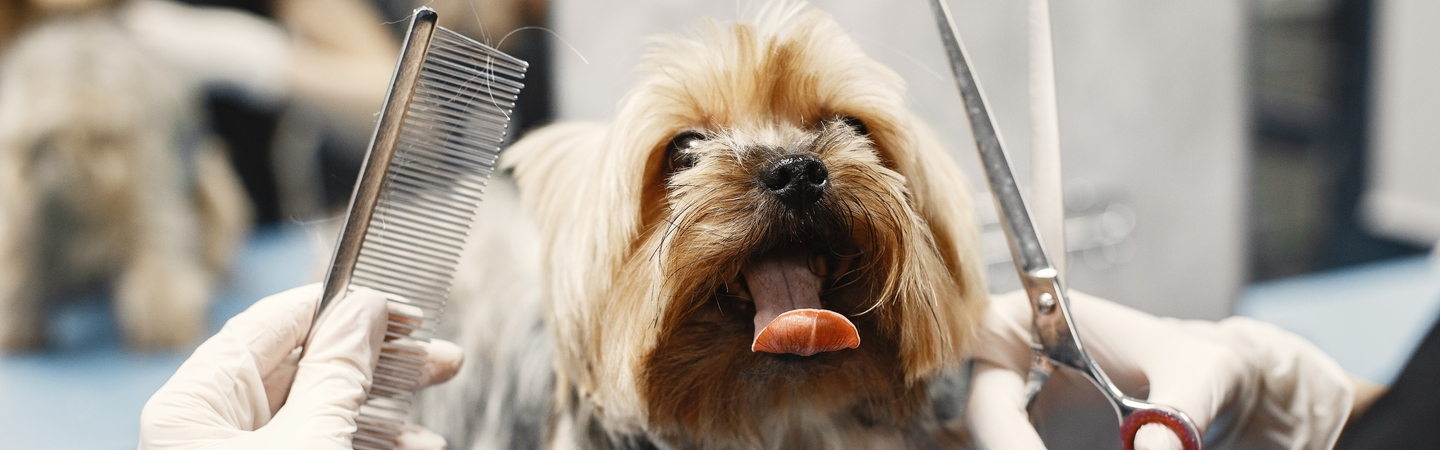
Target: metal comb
{"x": 440, "y": 131}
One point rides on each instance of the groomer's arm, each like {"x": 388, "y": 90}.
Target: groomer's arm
{"x": 1366, "y": 393}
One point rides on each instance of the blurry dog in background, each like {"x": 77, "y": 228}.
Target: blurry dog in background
{"x": 765, "y": 249}
{"x": 107, "y": 178}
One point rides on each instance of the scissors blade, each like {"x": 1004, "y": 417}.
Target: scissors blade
{"x": 1025, "y": 244}
{"x": 1053, "y": 326}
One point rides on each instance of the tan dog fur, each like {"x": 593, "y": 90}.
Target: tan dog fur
{"x": 635, "y": 256}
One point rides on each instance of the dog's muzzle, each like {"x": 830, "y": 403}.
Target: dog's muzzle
{"x": 788, "y": 314}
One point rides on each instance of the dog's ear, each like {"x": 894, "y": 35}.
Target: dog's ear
{"x": 943, "y": 195}
{"x": 940, "y": 195}
{"x": 544, "y": 163}
{"x": 560, "y": 171}
{"x": 574, "y": 183}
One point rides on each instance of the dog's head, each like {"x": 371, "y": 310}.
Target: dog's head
{"x": 764, "y": 237}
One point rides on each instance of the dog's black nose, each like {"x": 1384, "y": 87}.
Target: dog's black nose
{"x": 797, "y": 180}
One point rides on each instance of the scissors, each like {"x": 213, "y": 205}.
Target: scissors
{"x": 1056, "y": 342}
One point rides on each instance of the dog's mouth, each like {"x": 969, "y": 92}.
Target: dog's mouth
{"x": 785, "y": 287}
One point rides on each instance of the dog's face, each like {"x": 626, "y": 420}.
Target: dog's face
{"x": 764, "y": 241}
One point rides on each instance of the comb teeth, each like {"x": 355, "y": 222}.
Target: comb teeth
{"x": 448, "y": 144}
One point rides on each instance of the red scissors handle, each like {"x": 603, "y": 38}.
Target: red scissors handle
{"x": 1176, "y": 421}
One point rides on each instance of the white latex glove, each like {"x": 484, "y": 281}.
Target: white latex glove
{"x": 1277, "y": 389}
{"x": 246, "y": 388}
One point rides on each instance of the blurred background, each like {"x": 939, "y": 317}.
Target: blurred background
{"x": 1270, "y": 158}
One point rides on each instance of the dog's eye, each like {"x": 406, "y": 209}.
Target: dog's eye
{"x": 856, "y": 124}
{"x": 676, "y": 158}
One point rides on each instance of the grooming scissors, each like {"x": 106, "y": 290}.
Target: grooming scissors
{"x": 1056, "y": 341}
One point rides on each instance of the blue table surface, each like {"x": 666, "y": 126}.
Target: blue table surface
{"x": 1369, "y": 318}
{"x": 86, "y": 392}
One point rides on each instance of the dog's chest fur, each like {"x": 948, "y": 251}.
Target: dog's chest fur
{"x": 508, "y": 394}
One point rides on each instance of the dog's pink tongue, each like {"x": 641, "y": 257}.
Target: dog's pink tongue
{"x": 788, "y": 316}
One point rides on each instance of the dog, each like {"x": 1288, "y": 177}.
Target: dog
{"x": 108, "y": 178}
{"x": 764, "y": 249}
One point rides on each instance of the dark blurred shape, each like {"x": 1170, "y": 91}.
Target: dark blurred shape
{"x": 522, "y": 24}
{"x": 1311, "y": 87}
{"x": 12, "y": 13}
{"x": 1406, "y": 416}
{"x": 1350, "y": 243}
{"x": 339, "y": 170}
{"x": 248, "y": 131}
{"x": 537, "y": 106}
{"x": 259, "y": 7}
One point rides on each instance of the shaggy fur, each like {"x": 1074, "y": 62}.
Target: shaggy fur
{"x": 106, "y": 178}
{"x": 638, "y": 244}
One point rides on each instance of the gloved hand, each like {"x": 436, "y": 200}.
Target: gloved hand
{"x": 247, "y": 388}
{"x": 1276, "y": 389}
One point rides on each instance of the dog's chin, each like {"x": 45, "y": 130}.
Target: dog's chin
{"x": 724, "y": 376}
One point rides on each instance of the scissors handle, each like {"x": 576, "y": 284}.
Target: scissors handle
{"x": 1176, "y": 421}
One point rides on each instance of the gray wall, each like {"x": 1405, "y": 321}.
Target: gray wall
{"x": 1404, "y": 196}
{"x": 1151, "y": 117}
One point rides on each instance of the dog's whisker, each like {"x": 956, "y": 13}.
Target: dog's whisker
{"x": 670, "y": 230}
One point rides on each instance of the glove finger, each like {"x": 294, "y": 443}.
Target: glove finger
{"x": 1299, "y": 393}
{"x": 336, "y": 371}
{"x": 1202, "y": 382}
{"x": 1003, "y": 339}
{"x": 224, "y": 388}
{"x": 1181, "y": 363}
{"x": 277, "y": 382}
{"x": 1156, "y": 437}
{"x": 442, "y": 358}
{"x": 403, "y": 320}
{"x": 442, "y": 361}
{"x": 996, "y": 410}
{"x": 413, "y": 437}
{"x": 269, "y": 329}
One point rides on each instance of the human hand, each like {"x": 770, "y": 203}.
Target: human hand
{"x": 247, "y": 387}
{"x": 1276, "y": 389}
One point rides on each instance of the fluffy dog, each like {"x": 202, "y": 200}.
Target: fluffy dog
{"x": 765, "y": 249}
{"x": 106, "y": 177}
